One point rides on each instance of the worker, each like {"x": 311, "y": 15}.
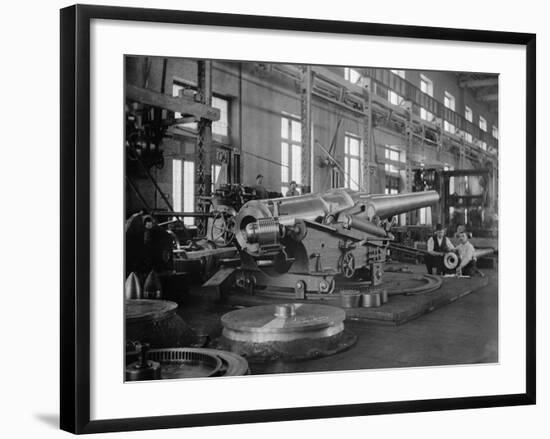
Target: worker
{"x": 293, "y": 191}
{"x": 466, "y": 252}
{"x": 438, "y": 245}
{"x": 259, "y": 189}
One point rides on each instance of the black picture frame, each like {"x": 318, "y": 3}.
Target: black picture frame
{"x": 75, "y": 217}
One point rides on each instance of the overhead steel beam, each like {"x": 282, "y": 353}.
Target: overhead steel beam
{"x": 182, "y": 105}
{"x": 488, "y": 98}
{"x": 475, "y": 83}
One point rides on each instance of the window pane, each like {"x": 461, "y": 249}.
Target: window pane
{"x": 284, "y": 174}
{"x": 188, "y": 190}
{"x": 353, "y": 146}
{"x": 468, "y": 114}
{"x": 400, "y": 73}
{"x": 284, "y": 128}
{"x": 297, "y": 163}
{"x": 296, "y": 131}
{"x": 220, "y": 127}
{"x": 190, "y": 125}
{"x": 482, "y": 123}
{"x": 284, "y": 153}
{"x": 354, "y": 174}
{"x": 176, "y": 184}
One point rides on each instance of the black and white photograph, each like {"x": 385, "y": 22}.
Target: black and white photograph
{"x": 297, "y": 218}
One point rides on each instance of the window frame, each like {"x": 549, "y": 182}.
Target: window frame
{"x": 349, "y": 157}
{"x": 291, "y": 150}
{"x": 424, "y": 113}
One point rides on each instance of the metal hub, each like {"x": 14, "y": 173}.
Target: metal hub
{"x": 285, "y": 322}
{"x": 293, "y": 331}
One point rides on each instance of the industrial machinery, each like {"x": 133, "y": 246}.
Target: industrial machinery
{"x": 306, "y": 243}
{"x": 467, "y": 198}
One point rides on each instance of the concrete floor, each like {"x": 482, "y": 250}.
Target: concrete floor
{"x": 463, "y": 332}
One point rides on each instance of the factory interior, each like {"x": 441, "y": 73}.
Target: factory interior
{"x": 285, "y": 218}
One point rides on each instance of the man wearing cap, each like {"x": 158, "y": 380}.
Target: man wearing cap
{"x": 259, "y": 189}
{"x": 466, "y": 252}
{"x": 293, "y": 191}
{"x": 438, "y": 245}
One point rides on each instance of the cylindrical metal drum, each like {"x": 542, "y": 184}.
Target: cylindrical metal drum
{"x": 350, "y": 298}
{"x": 371, "y": 300}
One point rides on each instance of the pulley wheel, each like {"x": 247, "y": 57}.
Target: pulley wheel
{"x": 451, "y": 261}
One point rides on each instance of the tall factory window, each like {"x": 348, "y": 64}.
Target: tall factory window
{"x": 352, "y": 75}
{"x": 183, "y": 187}
{"x": 392, "y": 185}
{"x": 352, "y": 161}
{"x": 495, "y": 132}
{"x": 449, "y": 102}
{"x": 482, "y": 124}
{"x": 177, "y": 87}
{"x": 469, "y": 115}
{"x": 176, "y": 184}
{"x": 425, "y": 215}
{"x": 426, "y": 86}
{"x": 400, "y": 73}
{"x": 216, "y": 169}
{"x": 392, "y": 156}
{"x": 221, "y": 127}
{"x": 291, "y": 152}
{"x": 188, "y": 190}
{"x": 394, "y": 98}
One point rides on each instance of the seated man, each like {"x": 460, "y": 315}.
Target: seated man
{"x": 259, "y": 189}
{"x": 466, "y": 253}
{"x": 293, "y": 191}
{"x": 438, "y": 245}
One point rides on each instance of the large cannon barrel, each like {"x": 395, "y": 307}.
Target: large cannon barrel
{"x": 313, "y": 207}
{"x": 257, "y": 221}
{"x": 385, "y": 206}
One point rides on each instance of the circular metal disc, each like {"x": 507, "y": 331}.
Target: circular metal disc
{"x": 262, "y": 319}
{"x": 145, "y": 310}
{"x": 186, "y": 362}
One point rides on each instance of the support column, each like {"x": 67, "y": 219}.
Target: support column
{"x": 408, "y": 162}
{"x": 204, "y": 142}
{"x": 369, "y": 164}
{"x": 307, "y": 141}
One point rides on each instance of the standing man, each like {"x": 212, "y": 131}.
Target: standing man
{"x": 466, "y": 253}
{"x": 438, "y": 245}
{"x": 293, "y": 191}
{"x": 259, "y": 189}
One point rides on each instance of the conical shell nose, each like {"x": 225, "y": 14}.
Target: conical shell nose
{"x": 152, "y": 288}
{"x": 132, "y": 287}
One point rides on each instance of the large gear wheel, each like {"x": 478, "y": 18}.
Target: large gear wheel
{"x": 222, "y": 229}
